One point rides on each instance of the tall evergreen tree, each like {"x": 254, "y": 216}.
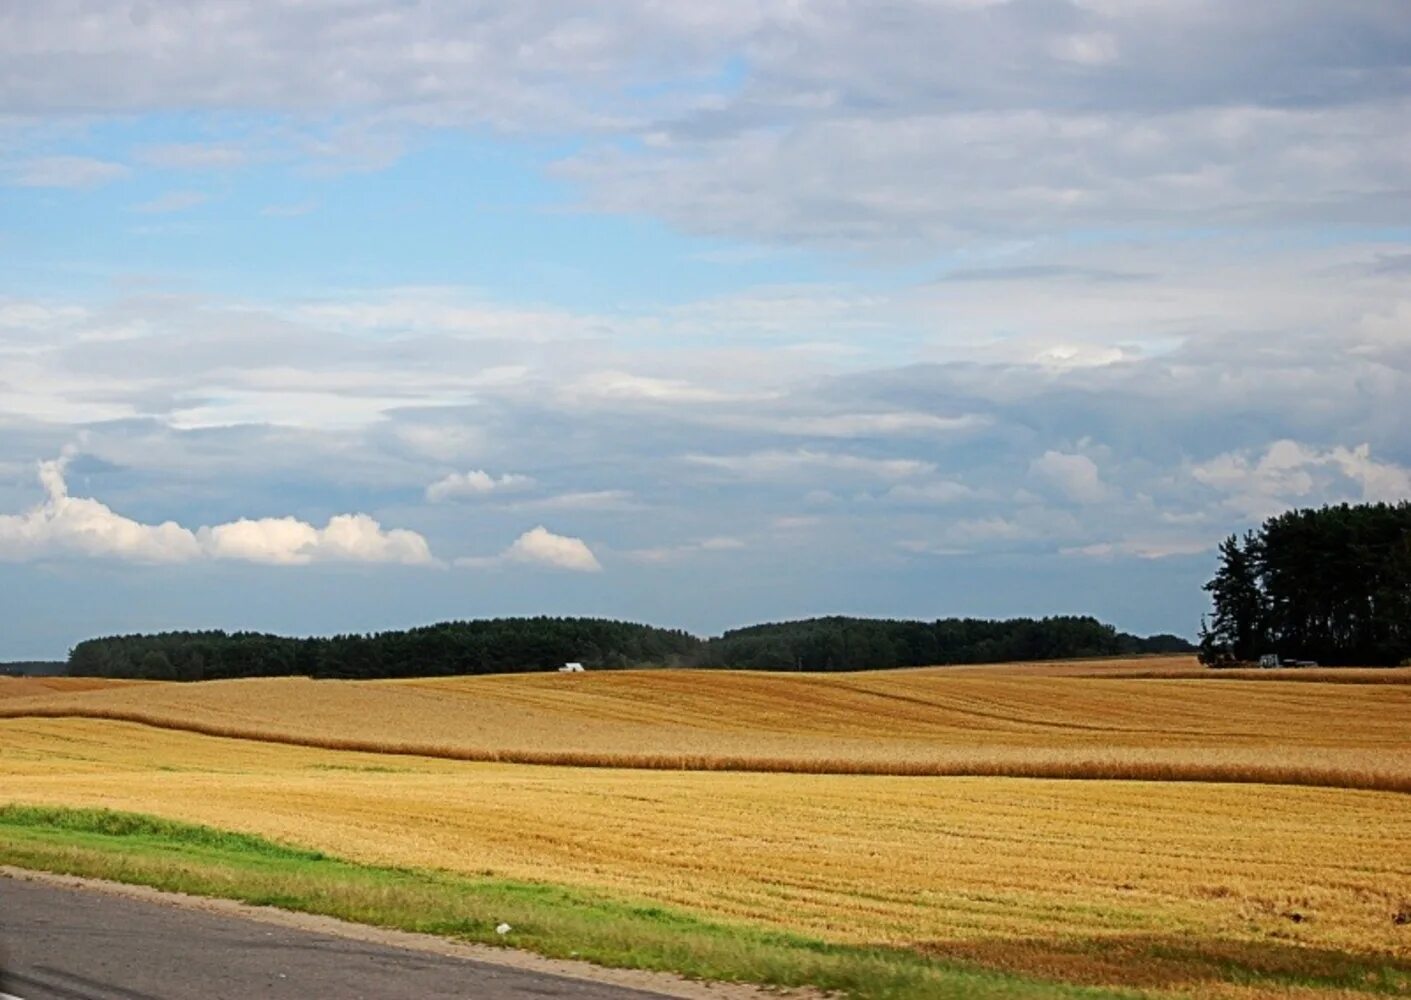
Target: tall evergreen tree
{"x": 1237, "y": 627}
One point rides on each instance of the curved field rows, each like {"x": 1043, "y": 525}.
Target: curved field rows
{"x": 1062, "y": 720}
{"x": 1025, "y": 874}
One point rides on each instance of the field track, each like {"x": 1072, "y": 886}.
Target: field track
{"x": 1094, "y": 720}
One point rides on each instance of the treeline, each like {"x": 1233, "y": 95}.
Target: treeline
{"x": 493, "y": 646}
{"x": 33, "y": 668}
{"x": 1331, "y": 585}
{"x": 516, "y": 645}
{"x": 838, "y": 643}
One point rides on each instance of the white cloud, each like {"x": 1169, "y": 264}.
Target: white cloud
{"x": 64, "y": 172}
{"x": 172, "y": 201}
{"x": 289, "y": 541}
{"x": 978, "y": 530}
{"x": 193, "y": 156}
{"x": 941, "y": 491}
{"x": 440, "y": 310}
{"x": 1380, "y": 481}
{"x": 444, "y": 442}
{"x": 1069, "y": 355}
{"x": 62, "y": 524}
{"x": 1097, "y": 49}
{"x": 856, "y": 425}
{"x": 475, "y": 483}
{"x": 23, "y": 315}
{"x": 662, "y": 554}
{"x": 1025, "y": 528}
{"x": 276, "y": 540}
{"x": 66, "y": 525}
{"x": 1290, "y": 474}
{"x": 1074, "y": 476}
{"x": 615, "y": 386}
{"x": 315, "y": 409}
{"x": 582, "y": 500}
{"x": 778, "y": 464}
{"x": 720, "y": 543}
{"x": 1148, "y": 549}
{"x": 542, "y": 547}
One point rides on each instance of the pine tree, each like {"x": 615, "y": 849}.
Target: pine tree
{"x": 1237, "y": 628}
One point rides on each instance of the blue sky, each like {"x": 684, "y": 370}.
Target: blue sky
{"x": 336, "y": 316}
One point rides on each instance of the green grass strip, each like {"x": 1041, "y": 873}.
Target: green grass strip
{"x": 549, "y": 920}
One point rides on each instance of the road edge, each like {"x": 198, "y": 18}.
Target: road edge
{"x": 665, "y": 983}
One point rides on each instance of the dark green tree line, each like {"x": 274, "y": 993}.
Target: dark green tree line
{"x": 502, "y": 645}
{"x": 513, "y": 645}
{"x": 1331, "y": 585}
{"x": 840, "y": 643}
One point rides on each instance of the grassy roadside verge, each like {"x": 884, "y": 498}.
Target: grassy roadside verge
{"x": 551, "y": 921}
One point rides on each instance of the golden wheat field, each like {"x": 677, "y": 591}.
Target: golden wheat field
{"x": 1056, "y": 720}
{"x": 1058, "y": 878}
{"x": 1156, "y": 884}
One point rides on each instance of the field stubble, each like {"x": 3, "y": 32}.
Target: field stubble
{"x": 1047, "y": 877}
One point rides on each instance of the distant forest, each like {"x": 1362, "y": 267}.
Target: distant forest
{"x": 1331, "y": 585}
{"x": 492, "y": 646}
{"x": 860, "y": 643}
{"x": 518, "y": 645}
{"x": 33, "y": 668}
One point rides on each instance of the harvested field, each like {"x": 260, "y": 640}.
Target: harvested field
{"x": 30, "y": 687}
{"x": 1041, "y": 720}
{"x": 1170, "y": 886}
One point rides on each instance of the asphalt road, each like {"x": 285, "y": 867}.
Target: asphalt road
{"x": 60, "y": 943}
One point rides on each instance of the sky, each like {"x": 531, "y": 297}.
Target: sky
{"x": 345, "y": 315}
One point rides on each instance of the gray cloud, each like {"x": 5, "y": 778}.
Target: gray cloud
{"x": 445, "y": 58}
{"x": 1391, "y": 264}
{"x": 834, "y": 123}
{"x": 1035, "y": 272}
{"x": 932, "y": 180}
{"x": 509, "y": 63}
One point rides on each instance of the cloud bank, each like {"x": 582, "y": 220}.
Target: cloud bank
{"x": 66, "y": 525}
{"x": 819, "y": 124}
